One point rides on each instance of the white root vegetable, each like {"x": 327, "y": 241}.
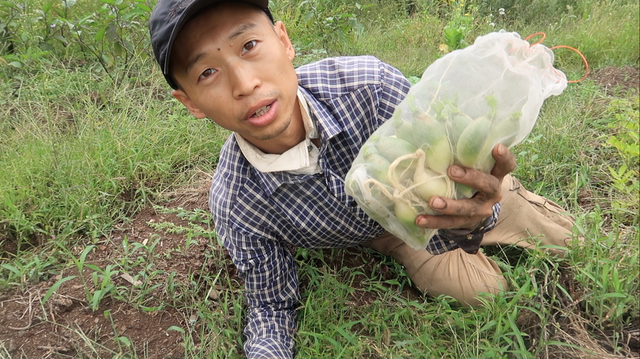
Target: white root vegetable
{"x": 429, "y": 183}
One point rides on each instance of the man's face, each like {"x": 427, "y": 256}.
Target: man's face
{"x": 234, "y": 67}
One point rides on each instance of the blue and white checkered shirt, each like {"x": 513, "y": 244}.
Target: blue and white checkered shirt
{"x": 258, "y": 216}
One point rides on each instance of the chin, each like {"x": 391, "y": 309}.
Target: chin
{"x": 274, "y": 131}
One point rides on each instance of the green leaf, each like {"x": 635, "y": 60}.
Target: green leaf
{"x": 83, "y": 256}
{"x": 125, "y": 341}
{"x": 100, "y": 34}
{"x": 68, "y": 3}
{"x": 175, "y": 328}
{"x": 13, "y": 269}
{"x": 144, "y": 7}
{"x": 108, "y": 59}
{"x": 612, "y": 295}
{"x": 45, "y": 46}
{"x": 413, "y": 80}
{"x": 111, "y": 31}
{"x": 96, "y": 298}
{"x": 307, "y": 19}
{"x": 55, "y": 287}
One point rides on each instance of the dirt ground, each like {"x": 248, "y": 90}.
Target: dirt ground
{"x": 24, "y": 332}
{"x": 59, "y": 329}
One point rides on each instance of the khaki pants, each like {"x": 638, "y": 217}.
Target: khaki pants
{"x": 526, "y": 219}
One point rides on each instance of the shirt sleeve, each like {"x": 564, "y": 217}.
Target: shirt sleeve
{"x": 439, "y": 245}
{"x": 271, "y": 288}
{"x": 394, "y": 89}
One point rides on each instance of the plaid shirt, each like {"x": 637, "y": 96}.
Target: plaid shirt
{"x": 259, "y": 215}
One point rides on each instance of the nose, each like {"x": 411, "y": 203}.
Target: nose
{"x": 243, "y": 79}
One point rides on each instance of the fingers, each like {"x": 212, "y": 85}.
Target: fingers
{"x": 485, "y": 183}
{"x": 505, "y": 161}
{"x": 466, "y": 213}
{"x": 467, "y": 209}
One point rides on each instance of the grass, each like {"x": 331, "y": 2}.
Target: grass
{"x": 76, "y": 150}
{"x": 84, "y": 146}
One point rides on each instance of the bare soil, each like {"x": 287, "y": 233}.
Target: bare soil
{"x": 58, "y": 330}
{"x": 62, "y": 326}
{"x": 621, "y": 78}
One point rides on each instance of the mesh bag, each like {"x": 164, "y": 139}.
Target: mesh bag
{"x": 464, "y": 104}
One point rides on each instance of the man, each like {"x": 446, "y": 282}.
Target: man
{"x": 280, "y": 177}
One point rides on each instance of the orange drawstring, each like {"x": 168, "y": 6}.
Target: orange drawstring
{"x": 544, "y": 36}
{"x": 584, "y": 59}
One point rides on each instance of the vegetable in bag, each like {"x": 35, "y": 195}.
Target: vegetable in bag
{"x": 464, "y": 104}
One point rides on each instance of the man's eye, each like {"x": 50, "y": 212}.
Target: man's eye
{"x": 248, "y": 46}
{"x": 206, "y": 73}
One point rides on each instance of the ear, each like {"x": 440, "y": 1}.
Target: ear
{"x": 186, "y": 101}
{"x": 281, "y": 31}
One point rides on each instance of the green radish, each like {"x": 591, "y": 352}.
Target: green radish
{"x": 406, "y": 214}
{"x": 426, "y": 129}
{"x": 379, "y": 192}
{"x": 378, "y": 167}
{"x": 456, "y": 126}
{"x": 504, "y": 132}
{"x": 396, "y": 118}
{"x": 404, "y": 130}
{"x": 431, "y": 136}
{"x": 464, "y": 191}
{"x": 368, "y": 149}
{"x": 393, "y": 147}
{"x": 471, "y": 141}
{"x": 438, "y": 155}
{"x": 429, "y": 183}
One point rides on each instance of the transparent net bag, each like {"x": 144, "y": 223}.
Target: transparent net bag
{"x": 464, "y": 104}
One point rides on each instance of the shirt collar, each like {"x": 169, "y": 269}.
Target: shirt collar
{"x": 326, "y": 126}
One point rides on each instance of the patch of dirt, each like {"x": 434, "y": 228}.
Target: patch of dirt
{"x": 623, "y": 78}
{"x": 60, "y": 328}
{"x": 569, "y": 325}
{"x": 586, "y": 199}
{"x": 66, "y": 326}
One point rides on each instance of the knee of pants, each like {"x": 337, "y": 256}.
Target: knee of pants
{"x": 527, "y": 218}
{"x": 460, "y": 275}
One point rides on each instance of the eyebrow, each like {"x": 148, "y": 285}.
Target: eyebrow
{"x": 241, "y": 29}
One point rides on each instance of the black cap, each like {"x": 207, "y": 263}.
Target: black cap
{"x": 168, "y": 18}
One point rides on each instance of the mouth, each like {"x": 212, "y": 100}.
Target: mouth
{"x": 261, "y": 111}
{"x": 263, "y": 114}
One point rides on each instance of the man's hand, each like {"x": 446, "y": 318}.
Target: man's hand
{"x": 467, "y": 213}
